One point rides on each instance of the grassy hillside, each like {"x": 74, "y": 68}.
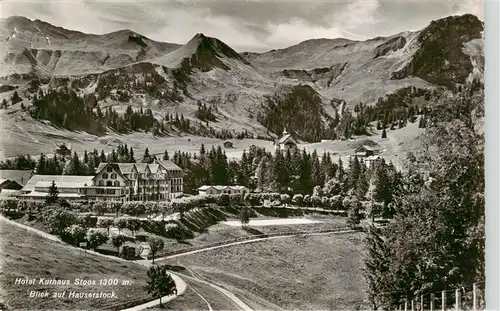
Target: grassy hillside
{"x": 303, "y": 273}
{"x": 27, "y": 255}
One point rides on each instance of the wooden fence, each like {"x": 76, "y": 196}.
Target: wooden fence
{"x": 459, "y": 299}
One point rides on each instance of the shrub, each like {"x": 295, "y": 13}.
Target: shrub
{"x": 88, "y": 221}
{"x": 58, "y": 220}
{"x": 315, "y": 201}
{"x": 152, "y": 208}
{"x": 105, "y": 223}
{"x": 99, "y": 208}
{"x": 298, "y": 199}
{"x": 285, "y": 198}
{"x": 307, "y": 200}
{"x": 133, "y": 224}
{"x": 244, "y": 216}
{"x": 118, "y": 240}
{"x": 274, "y": 196}
{"x": 77, "y": 206}
{"x": 254, "y": 199}
{"x": 165, "y": 208}
{"x": 335, "y": 202}
{"x": 210, "y": 199}
{"x": 156, "y": 245}
{"x": 64, "y": 203}
{"x": 223, "y": 200}
{"x": 96, "y": 238}
{"x": 74, "y": 234}
{"x": 317, "y": 191}
{"x": 121, "y": 222}
{"x": 9, "y": 204}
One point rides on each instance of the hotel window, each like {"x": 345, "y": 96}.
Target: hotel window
{"x": 105, "y": 176}
{"x": 109, "y": 183}
{"x": 109, "y": 169}
{"x": 116, "y": 183}
{"x": 113, "y": 176}
{"x": 101, "y": 182}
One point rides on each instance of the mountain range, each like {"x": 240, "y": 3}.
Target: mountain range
{"x": 308, "y": 88}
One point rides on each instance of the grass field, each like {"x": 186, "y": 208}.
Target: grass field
{"x": 222, "y": 232}
{"x": 301, "y": 273}
{"x": 26, "y": 255}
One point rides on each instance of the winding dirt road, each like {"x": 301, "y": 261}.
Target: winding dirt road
{"x": 181, "y": 284}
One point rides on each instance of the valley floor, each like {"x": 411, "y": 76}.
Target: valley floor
{"x": 300, "y": 273}
{"x": 23, "y": 135}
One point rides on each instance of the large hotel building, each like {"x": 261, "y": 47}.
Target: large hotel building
{"x": 118, "y": 182}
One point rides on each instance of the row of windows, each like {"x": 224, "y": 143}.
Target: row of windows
{"x": 109, "y": 183}
{"x": 176, "y": 189}
{"x": 105, "y": 175}
{"x": 61, "y": 190}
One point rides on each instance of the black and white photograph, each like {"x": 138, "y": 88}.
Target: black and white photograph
{"x": 242, "y": 155}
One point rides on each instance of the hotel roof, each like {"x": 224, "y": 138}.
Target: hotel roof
{"x": 58, "y": 179}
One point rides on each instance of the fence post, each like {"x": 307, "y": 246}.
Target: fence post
{"x": 431, "y": 303}
{"x": 443, "y": 300}
{"x": 458, "y": 300}
{"x": 474, "y": 297}
{"x": 412, "y": 305}
{"x": 406, "y": 305}
{"x": 421, "y": 302}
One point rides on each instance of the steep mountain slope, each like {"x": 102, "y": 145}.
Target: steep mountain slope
{"x": 440, "y": 58}
{"x": 52, "y": 50}
{"x": 363, "y": 71}
{"x": 112, "y": 76}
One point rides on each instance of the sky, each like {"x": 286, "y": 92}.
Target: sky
{"x": 245, "y": 25}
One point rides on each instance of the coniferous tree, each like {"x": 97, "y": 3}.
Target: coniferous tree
{"x": 85, "y": 157}
{"x": 376, "y": 265}
{"x": 147, "y": 158}
{"x": 15, "y": 98}
{"x": 438, "y": 226}
{"x": 131, "y": 156}
{"x": 354, "y": 172}
{"x": 361, "y": 186}
{"x": 102, "y": 158}
{"x": 53, "y": 194}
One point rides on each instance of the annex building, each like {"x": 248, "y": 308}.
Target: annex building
{"x": 215, "y": 190}
{"x": 118, "y": 182}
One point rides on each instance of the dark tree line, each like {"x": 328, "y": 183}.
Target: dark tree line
{"x": 75, "y": 165}
{"x": 393, "y": 111}
{"x": 300, "y": 110}
{"x": 65, "y": 108}
{"x": 204, "y": 112}
{"x": 292, "y": 172}
{"x": 436, "y": 241}
{"x": 149, "y": 82}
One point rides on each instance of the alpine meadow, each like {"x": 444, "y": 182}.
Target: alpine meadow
{"x": 332, "y": 174}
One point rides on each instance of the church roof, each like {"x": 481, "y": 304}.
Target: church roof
{"x": 286, "y": 138}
